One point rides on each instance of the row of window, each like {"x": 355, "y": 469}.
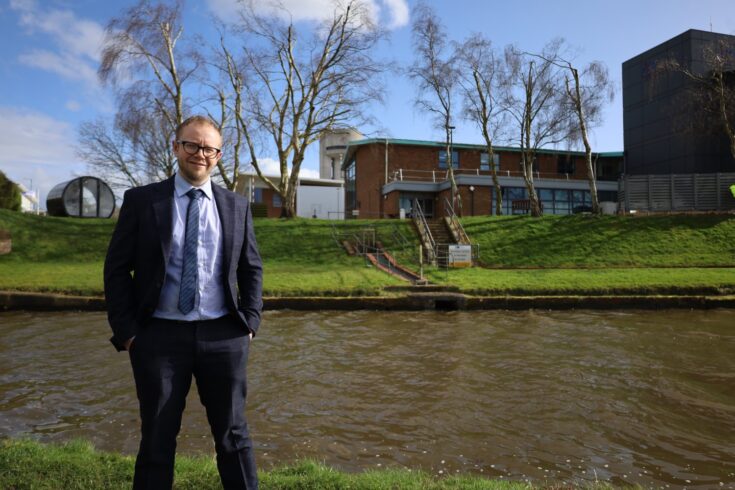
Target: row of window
{"x": 484, "y": 160}
{"x": 566, "y": 164}
{"x": 555, "y": 201}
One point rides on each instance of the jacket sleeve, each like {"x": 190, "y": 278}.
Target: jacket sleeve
{"x": 118, "y": 278}
{"x": 250, "y": 276}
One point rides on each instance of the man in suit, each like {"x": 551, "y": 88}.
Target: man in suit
{"x": 183, "y": 282}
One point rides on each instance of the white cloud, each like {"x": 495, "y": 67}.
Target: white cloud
{"x": 398, "y": 11}
{"x": 39, "y": 148}
{"x": 311, "y": 9}
{"x": 66, "y": 65}
{"x": 309, "y": 173}
{"x": 77, "y": 40}
{"x": 73, "y": 105}
{"x": 271, "y": 168}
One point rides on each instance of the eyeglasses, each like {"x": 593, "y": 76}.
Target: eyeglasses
{"x": 193, "y": 148}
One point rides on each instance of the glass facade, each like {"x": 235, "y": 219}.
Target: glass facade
{"x": 553, "y": 201}
{"x": 350, "y": 189}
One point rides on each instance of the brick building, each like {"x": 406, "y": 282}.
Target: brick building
{"x": 383, "y": 176}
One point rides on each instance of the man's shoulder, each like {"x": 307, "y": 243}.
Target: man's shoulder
{"x": 151, "y": 189}
{"x": 228, "y": 194}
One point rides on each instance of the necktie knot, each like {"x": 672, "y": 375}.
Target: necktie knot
{"x": 195, "y": 194}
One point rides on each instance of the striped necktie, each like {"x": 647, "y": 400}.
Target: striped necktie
{"x": 188, "y": 290}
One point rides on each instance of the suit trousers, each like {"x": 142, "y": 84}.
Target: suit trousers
{"x": 165, "y": 355}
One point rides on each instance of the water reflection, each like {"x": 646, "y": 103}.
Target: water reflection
{"x": 627, "y": 397}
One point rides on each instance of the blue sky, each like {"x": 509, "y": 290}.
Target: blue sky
{"x": 50, "y": 51}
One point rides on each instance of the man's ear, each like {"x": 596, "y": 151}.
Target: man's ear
{"x": 174, "y": 145}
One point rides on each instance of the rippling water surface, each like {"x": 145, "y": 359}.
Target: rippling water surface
{"x": 628, "y": 397}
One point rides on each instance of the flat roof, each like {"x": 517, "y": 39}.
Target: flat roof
{"x": 352, "y": 147}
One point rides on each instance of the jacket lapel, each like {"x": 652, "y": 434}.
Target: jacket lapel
{"x": 162, "y": 208}
{"x": 226, "y": 211}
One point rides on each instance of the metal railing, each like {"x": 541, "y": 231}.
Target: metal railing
{"x": 420, "y": 220}
{"x": 413, "y": 175}
{"x": 455, "y": 226}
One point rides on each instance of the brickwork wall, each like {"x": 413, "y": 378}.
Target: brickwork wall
{"x": 370, "y": 175}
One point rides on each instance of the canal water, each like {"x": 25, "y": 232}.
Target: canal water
{"x": 644, "y": 397}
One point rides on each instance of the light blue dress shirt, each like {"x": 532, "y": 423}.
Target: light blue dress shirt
{"x": 209, "y": 302}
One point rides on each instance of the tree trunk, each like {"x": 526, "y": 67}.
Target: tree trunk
{"x": 456, "y": 199}
{"x": 288, "y": 203}
{"x": 534, "y": 205}
{"x": 723, "y": 113}
{"x": 498, "y": 190}
{"x": 577, "y": 98}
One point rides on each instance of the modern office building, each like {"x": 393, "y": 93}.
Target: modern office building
{"x": 383, "y": 176}
{"x": 665, "y": 131}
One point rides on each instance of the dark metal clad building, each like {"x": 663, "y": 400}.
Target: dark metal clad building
{"x": 664, "y": 130}
{"x": 83, "y": 197}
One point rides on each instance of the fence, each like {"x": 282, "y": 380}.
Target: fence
{"x": 677, "y": 192}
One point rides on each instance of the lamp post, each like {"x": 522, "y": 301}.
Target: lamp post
{"x": 450, "y": 163}
{"x": 472, "y": 199}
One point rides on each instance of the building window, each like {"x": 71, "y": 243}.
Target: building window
{"x": 276, "y": 200}
{"x": 565, "y": 164}
{"x": 257, "y": 195}
{"x": 443, "y": 159}
{"x": 511, "y": 194}
{"x": 485, "y": 161}
{"x": 350, "y": 189}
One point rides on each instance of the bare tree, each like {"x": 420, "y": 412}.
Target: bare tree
{"x": 143, "y": 41}
{"x": 481, "y": 75}
{"x": 711, "y": 92}
{"x": 303, "y": 84}
{"x": 533, "y": 95}
{"x": 587, "y": 93}
{"x": 132, "y": 150}
{"x": 436, "y": 75}
{"x": 228, "y": 100}
{"x": 110, "y": 154}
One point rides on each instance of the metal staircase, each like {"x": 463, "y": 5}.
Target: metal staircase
{"x": 437, "y": 235}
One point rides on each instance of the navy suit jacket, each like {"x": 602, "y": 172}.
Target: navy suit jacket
{"x": 135, "y": 266}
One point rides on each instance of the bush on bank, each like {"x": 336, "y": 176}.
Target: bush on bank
{"x": 78, "y": 466}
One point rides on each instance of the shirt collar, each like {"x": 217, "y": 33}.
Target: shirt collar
{"x": 182, "y": 186}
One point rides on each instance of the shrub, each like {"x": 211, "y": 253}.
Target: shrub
{"x": 9, "y": 194}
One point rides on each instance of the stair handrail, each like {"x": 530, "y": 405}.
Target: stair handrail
{"x": 418, "y": 217}
{"x": 454, "y": 224}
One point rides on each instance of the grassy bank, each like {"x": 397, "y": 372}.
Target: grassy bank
{"x": 519, "y": 255}
{"x": 300, "y": 257}
{"x": 706, "y": 240}
{"x": 77, "y": 465}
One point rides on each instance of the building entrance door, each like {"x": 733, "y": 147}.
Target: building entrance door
{"x": 426, "y": 201}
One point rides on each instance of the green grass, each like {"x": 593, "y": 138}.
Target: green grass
{"x": 78, "y": 466}
{"x": 565, "y": 254}
{"x": 642, "y": 281}
{"x": 703, "y": 240}
{"x": 300, "y": 256}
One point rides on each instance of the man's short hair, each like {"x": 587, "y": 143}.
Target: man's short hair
{"x": 197, "y": 119}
